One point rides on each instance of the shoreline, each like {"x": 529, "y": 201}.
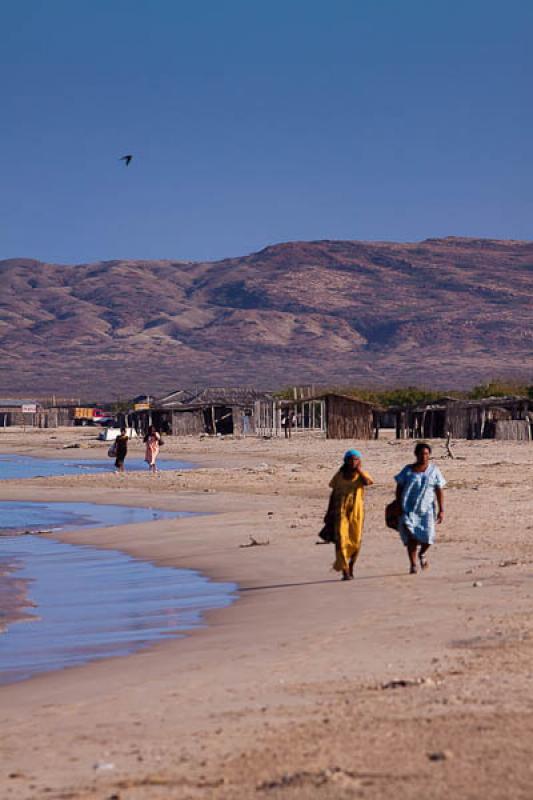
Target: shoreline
{"x": 14, "y": 600}
{"x": 297, "y": 642}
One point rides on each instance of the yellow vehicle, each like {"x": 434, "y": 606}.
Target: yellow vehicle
{"x": 83, "y": 413}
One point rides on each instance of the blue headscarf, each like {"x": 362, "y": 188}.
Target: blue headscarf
{"x": 349, "y": 453}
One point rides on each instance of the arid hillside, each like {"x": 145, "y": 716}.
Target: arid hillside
{"x": 442, "y": 313}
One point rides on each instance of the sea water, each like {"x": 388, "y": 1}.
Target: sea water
{"x": 18, "y": 466}
{"x": 85, "y": 603}
{"x": 20, "y": 516}
{"x": 88, "y": 603}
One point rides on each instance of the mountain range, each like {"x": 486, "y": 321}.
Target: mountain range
{"x": 438, "y": 313}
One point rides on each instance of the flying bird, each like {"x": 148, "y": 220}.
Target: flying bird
{"x": 127, "y": 159}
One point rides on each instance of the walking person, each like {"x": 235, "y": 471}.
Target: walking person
{"x": 345, "y": 515}
{"x": 152, "y": 441}
{"x": 421, "y": 499}
{"x": 121, "y": 450}
{"x": 288, "y": 422}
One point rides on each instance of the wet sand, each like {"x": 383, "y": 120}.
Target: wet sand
{"x": 15, "y": 604}
{"x": 410, "y": 686}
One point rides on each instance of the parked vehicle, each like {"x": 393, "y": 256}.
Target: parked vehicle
{"x": 87, "y": 415}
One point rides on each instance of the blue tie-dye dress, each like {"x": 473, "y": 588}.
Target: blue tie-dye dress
{"x": 418, "y": 502}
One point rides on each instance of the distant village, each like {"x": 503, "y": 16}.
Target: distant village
{"x": 303, "y": 411}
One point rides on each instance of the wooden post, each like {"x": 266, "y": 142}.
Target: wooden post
{"x": 482, "y": 423}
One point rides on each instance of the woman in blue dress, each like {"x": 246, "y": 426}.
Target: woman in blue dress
{"x": 419, "y": 493}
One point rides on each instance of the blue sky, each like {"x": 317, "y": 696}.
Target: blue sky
{"x": 254, "y": 122}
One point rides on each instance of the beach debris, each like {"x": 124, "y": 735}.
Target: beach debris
{"x": 448, "y": 446}
{"x": 9, "y": 532}
{"x": 403, "y": 683}
{"x": 255, "y": 543}
{"x": 449, "y": 451}
{"x": 42, "y": 531}
{"x": 336, "y": 775}
{"x": 103, "y": 766}
{"x": 440, "y": 755}
{"x": 509, "y": 563}
{"x": 76, "y": 445}
{"x": 477, "y": 584}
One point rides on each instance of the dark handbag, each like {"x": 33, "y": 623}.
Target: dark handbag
{"x": 393, "y": 512}
{"x": 327, "y": 534}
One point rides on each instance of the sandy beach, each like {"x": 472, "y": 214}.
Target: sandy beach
{"x": 305, "y": 687}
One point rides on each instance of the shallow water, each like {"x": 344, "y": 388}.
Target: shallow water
{"x": 17, "y": 466}
{"x": 91, "y": 604}
{"x": 20, "y": 516}
{"x": 85, "y": 603}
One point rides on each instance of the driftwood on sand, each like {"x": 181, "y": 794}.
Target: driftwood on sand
{"x": 255, "y": 543}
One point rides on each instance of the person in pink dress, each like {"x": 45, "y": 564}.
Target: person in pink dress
{"x": 152, "y": 441}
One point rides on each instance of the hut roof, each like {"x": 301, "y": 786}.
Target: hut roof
{"x": 11, "y": 403}
{"x": 211, "y": 396}
{"x": 322, "y": 396}
{"x": 442, "y": 403}
{"x": 342, "y": 396}
{"x": 173, "y": 399}
{"x": 498, "y": 401}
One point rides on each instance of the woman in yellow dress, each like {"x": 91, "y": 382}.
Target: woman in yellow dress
{"x": 346, "y": 511}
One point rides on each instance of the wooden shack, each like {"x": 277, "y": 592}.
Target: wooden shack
{"x": 486, "y": 418}
{"x": 330, "y": 415}
{"x": 15, "y": 412}
{"x": 215, "y": 411}
{"x": 348, "y": 418}
{"x": 44, "y": 412}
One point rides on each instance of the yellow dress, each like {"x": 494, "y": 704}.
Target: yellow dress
{"x": 348, "y": 513}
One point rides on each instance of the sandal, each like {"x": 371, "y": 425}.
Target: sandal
{"x": 424, "y": 564}
{"x": 412, "y": 569}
